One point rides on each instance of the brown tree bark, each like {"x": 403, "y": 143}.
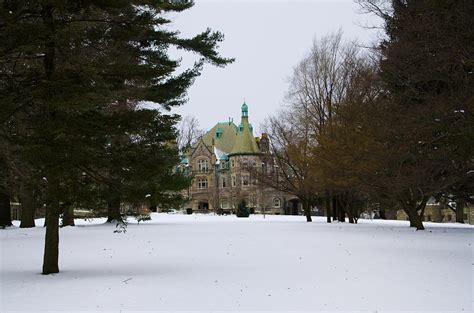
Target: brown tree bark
{"x": 5, "y": 209}
{"x": 51, "y": 244}
{"x": 382, "y": 214}
{"x": 415, "y": 219}
{"x": 307, "y": 211}
{"x": 28, "y": 207}
{"x": 113, "y": 211}
{"x": 350, "y": 216}
{"x": 68, "y": 217}
{"x": 460, "y": 211}
{"x": 334, "y": 208}
{"x": 328, "y": 205}
{"x": 341, "y": 214}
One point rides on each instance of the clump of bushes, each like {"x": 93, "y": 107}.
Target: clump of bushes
{"x": 242, "y": 209}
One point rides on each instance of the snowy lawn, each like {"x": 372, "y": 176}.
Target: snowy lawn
{"x": 217, "y": 263}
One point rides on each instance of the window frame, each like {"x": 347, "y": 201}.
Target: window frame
{"x": 202, "y": 183}
{"x": 203, "y": 165}
{"x": 275, "y": 201}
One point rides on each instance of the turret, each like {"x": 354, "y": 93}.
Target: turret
{"x": 245, "y": 142}
{"x": 245, "y": 111}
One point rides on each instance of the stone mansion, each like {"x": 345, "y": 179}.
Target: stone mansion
{"x": 223, "y": 163}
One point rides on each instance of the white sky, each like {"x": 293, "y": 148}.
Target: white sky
{"x": 267, "y": 38}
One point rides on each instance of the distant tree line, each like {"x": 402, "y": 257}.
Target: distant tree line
{"x": 73, "y": 130}
{"x": 386, "y": 129}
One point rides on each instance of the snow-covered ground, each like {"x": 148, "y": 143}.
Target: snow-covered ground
{"x": 217, "y": 263}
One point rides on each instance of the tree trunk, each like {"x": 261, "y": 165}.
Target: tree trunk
{"x": 68, "y": 217}
{"x": 382, "y": 214}
{"x": 5, "y": 209}
{"x": 113, "y": 211}
{"x": 460, "y": 211}
{"x": 328, "y": 208}
{"x": 334, "y": 208}
{"x": 415, "y": 218}
{"x": 411, "y": 208}
{"x": 307, "y": 211}
{"x": 28, "y": 207}
{"x": 350, "y": 216}
{"x": 51, "y": 243}
{"x": 341, "y": 214}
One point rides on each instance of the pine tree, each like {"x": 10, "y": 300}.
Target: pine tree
{"x": 426, "y": 118}
{"x": 73, "y": 75}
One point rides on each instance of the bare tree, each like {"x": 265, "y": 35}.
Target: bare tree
{"x": 188, "y": 132}
{"x": 321, "y": 80}
{"x": 381, "y": 8}
{"x": 288, "y": 167}
{"x": 320, "y": 84}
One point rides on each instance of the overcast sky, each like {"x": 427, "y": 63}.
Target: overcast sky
{"x": 267, "y": 38}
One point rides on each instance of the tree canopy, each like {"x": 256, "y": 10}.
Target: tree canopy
{"x": 74, "y": 76}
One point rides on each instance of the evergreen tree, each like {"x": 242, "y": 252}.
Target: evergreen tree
{"x": 426, "y": 116}
{"x": 73, "y": 75}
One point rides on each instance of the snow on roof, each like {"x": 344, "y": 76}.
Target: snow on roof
{"x": 220, "y": 155}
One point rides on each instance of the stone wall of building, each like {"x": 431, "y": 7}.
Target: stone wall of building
{"x": 441, "y": 214}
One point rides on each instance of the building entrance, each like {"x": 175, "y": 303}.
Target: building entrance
{"x": 203, "y": 207}
{"x": 293, "y": 207}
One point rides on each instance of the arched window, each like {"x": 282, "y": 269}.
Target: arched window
{"x": 202, "y": 183}
{"x": 203, "y": 166}
{"x": 277, "y": 202}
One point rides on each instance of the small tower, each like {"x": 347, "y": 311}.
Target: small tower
{"x": 245, "y": 142}
{"x": 245, "y": 110}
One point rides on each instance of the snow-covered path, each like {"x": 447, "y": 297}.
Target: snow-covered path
{"x": 216, "y": 263}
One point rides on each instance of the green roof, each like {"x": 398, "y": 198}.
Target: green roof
{"x": 226, "y": 140}
{"x": 245, "y": 142}
{"x": 230, "y": 139}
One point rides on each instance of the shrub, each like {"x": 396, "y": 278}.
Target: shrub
{"x": 242, "y": 209}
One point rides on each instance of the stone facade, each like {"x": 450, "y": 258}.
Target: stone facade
{"x": 224, "y": 164}
{"x": 441, "y": 214}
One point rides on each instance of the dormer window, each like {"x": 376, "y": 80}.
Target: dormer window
{"x": 219, "y": 133}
